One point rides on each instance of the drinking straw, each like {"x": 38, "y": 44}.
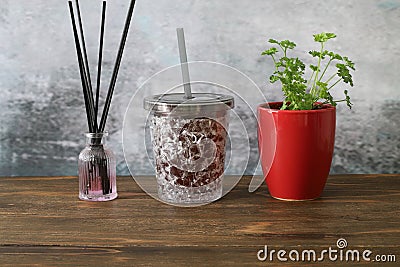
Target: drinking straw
{"x": 103, "y": 19}
{"x": 184, "y": 64}
{"x": 81, "y": 68}
{"x": 116, "y": 67}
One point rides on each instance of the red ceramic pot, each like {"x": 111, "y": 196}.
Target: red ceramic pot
{"x": 303, "y": 142}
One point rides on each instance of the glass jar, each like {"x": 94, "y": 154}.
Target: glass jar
{"x": 189, "y": 138}
{"x": 97, "y": 170}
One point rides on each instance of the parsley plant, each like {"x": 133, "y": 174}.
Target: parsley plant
{"x": 303, "y": 94}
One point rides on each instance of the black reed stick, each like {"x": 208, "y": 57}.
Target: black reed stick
{"x": 86, "y": 65}
{"x": 103, "y": 19}
{"x": 116, "y": 67}
{"x": 92, "y": 107}
{"x": 81, "y": 68}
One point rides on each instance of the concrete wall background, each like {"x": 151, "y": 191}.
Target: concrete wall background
{"x": 41, "y": 104}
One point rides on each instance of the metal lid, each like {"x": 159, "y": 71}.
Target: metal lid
{"x": 177, "y": 101}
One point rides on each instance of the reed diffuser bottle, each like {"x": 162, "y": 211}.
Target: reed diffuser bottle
{"x": 97, "y": 170}
{"x": 96, "y": 164}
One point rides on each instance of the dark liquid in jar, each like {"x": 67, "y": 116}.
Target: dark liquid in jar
{"x": 189, "y": 152}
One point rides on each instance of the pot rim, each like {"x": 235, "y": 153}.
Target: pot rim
{"x": 265, "y": 106}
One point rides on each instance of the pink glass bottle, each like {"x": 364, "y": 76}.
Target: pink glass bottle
{"x": 97, "y": 170}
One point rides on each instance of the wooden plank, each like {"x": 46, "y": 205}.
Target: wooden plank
{"x": 42, "y": 221}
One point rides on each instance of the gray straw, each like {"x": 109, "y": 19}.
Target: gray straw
{"x": 184, "y": 64}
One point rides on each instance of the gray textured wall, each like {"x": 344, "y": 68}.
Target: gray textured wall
{"x": 41, "y": 106}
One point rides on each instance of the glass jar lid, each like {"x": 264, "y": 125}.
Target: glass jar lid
{"x": 200, "y": 102}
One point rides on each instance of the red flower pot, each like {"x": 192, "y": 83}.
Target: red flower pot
{"x": 299, "y": 165}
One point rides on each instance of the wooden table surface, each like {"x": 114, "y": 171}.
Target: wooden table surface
{"x": 43, "y": 223}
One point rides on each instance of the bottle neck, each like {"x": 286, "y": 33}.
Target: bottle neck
{"x": 96, "y": 139}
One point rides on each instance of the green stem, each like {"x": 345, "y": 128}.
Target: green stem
{"x": 309, "y": 81}
{"x": 326, "y": 67}
{"x": 314, "y": 88}
{"x": 335, "y": 83}
{"x": 327, "y": 102}
{"x": 284, "y": 52}
{"x": 330, "y": 78}
{"x": 337, "y": 101}
{"x": 273, "y": 58}
{"x": 283, "y": 49}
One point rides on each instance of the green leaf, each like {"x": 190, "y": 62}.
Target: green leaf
{"x": 323, "y": 37}
{"x": 314, "y": 53}
{"x": 335, "y": 56}
{"x": 322, "y": 85}
{"x": 273, "y": 78}
{"x": 324, "y": 53}
{"x": 279, "y": 64}
{"x": 270, "y": 51}
{"x": 349, "y": 104}
{"x": 344, "y": 73}
{"x": 287, "y": 44}
{"x": 349, "y": 63}
{"x": 273, "y": 41}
